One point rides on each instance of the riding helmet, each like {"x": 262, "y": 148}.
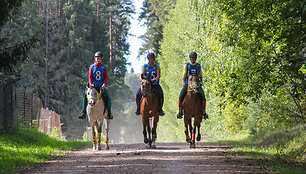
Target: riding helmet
{"x": 151, "y": 55}
{"x": 98, "y": 54}
{"x": 193, "y": 54}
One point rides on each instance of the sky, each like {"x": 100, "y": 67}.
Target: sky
{"x": 135, "y": 32}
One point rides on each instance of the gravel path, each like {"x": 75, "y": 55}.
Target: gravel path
{"x": 139, "y": 159}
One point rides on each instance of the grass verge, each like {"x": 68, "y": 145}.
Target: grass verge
{"x": 278, "y": 151}
{"x": 24, "y": 148}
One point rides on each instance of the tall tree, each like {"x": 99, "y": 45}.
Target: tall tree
{"x": 272, "y": 35}
{"x": 11, "y": 53}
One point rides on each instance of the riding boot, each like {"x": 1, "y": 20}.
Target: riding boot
{"x": 83, "y": 114}
{"x": 180, "y": 113}
{"x": 109, "y": 115}
{"x": 205, "y": 116}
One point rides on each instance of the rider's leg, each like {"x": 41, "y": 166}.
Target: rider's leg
{"x": 203, "y": 102}
{"x": 138, "y": 98}
{"x": 181, "y": 98}
{"x": 83, "y": 114}
{"x": 160, "y": 95}
{"x": 109, "y": 105}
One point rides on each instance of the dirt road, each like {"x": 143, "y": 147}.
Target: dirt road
{"x": 139, "y": 159}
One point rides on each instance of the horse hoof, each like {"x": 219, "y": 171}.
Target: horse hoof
{"x": 199, "y": 137}
{"x": 146, "y": 141}
{"x": 107, "y": 148}
{"x": 192, "y": 145}
{"x": 153, "y": 146}
{"x": 187, "y": 140}
{"x": 99, "y": 148}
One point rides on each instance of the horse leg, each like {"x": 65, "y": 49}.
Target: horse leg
{"x": 149, "y": 133}
{"x": 186, "y": 121}
{"x": 154, "y": 134}
{"x": 106, "y": 130}
{"x": 93, "y": 133}
{"x": 192, "y": 131}
{"x": 99, "y": 135}
{"x": 192, "y": 145}
{"x": 198, "y": 124}
{"x": 144, "y": 126}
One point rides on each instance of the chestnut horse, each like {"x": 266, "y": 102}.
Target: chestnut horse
{"x": 192, "y": 108}
{"x": 148, "y": 109}
{"x": 96, "y": 112}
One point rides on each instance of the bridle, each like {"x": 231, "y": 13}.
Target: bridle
{"x": 95, "y": 98}
{"x": 146, "y": 91}
{"x": 192, "y": 84}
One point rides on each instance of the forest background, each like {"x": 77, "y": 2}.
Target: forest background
{"x": 252, "y": 55}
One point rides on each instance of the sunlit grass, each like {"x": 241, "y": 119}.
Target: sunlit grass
{"x": 280, "y": 151}
{"x": 22, "y": 148}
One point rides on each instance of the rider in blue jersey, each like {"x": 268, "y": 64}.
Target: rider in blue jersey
{"x": 192, "y": 67}
{"x": 153, "y": 70}
{"x": 98, "y": 75}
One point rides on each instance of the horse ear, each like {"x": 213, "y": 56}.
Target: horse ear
{"x": 88, "y": 85}
{"x": 141, "y": 76}
{"x": 189, "y": 72}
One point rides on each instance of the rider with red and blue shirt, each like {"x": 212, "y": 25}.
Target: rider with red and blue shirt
{"x": 153, "y": 70}
{"x": 98, "y": 76}
{"x": 192, "y": 67}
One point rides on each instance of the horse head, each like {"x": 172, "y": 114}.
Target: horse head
{"x": 92, "y": 94}
{"x": 146, "y": 85}
{"x": 193, "y": 82}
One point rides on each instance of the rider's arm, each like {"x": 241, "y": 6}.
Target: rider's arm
{"x": 90, "y": 76}
{"x": 105, "y": 75}
{"x": 200, "y": 76}
{"x": 158, "y": 73}
{"x": 184, "y": 75}
{"x": 143, "y": 71}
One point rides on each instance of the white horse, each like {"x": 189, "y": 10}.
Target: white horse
{"x": 96, "y": 112}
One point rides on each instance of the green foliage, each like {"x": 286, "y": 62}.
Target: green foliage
{"x": 23, "y": 148}
{"x": 250, "y": 81}
{"x": 12, "y": 53}
{"x": 69, "y": 33}
{"x": 271, "y": 35}
{"x": 155, "y": 15}
{"x": 281, "y": 151}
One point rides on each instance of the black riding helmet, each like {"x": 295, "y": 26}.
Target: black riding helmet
{"x": 193, "y": 54}
{"x": 98, "y": 54}
{"x": 151, "y": 55}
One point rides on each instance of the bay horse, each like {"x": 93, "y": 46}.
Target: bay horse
{"x": 192, "y": 108}
{"x": 148, "y": 109}
{"x": 96, "y": 112}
